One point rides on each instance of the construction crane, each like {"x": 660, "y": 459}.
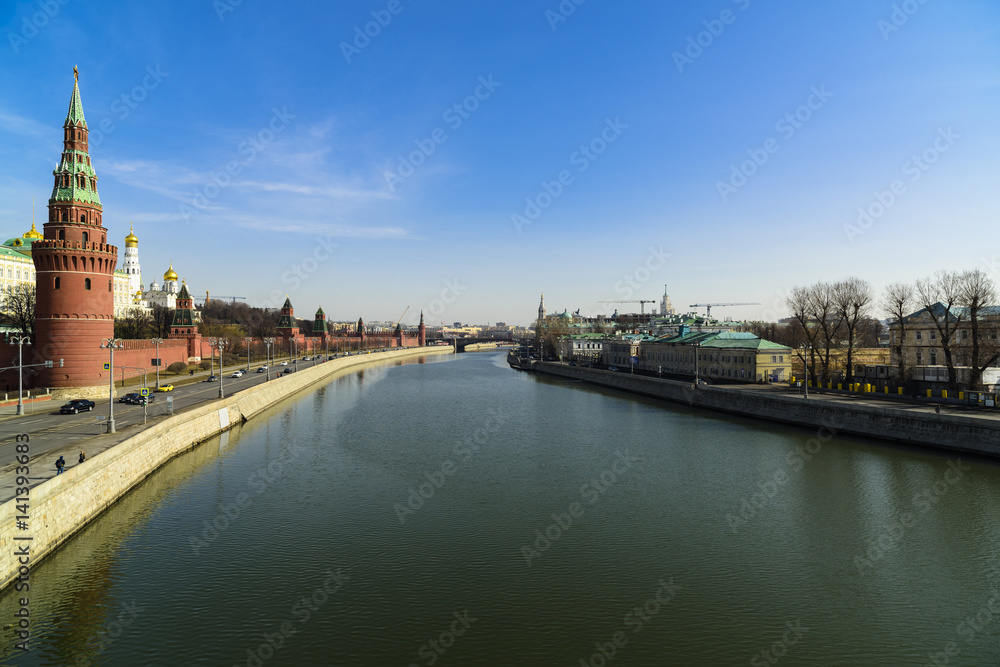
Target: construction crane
{"x": 402, "y": 316}
{"x": 234, "y": 299}
{"x": 708, "y": 306}
{"x": 642, "y": 303}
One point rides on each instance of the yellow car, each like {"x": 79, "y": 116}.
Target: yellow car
{"x": 166, "y": 387}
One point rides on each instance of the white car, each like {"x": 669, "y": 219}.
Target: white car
{"x": 237, "y": 374}
{"x": 264, "y": 367}
{"x": 284, "y": 363}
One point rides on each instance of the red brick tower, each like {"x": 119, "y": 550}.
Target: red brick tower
{"x": 74, "y": 266}
{"x": 422, "y": 331}
{"x": 287, "y": 325}
{"x": 183, "y": 325}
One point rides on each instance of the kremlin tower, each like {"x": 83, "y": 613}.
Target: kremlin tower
{"x": 74, "y": 265}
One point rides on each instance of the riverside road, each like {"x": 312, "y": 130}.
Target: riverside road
{"x": 53, "y": 434}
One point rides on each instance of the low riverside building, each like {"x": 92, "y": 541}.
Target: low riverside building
{"x": 621, "y": 351}
{"x": 582, "y": 348}
{"x": 724, "y": 356}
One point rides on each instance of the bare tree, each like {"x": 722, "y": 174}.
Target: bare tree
{"x": 898, "y": 301}
{"x": 978, "y": 293}
{"x": 17, "y": 307}
{"x": 134, "y": 324}
{"x": 799, "y": 301}
{"x": 822, "y": 308}
{"x": 160, "y": 321}
{"x": 852, "y": 298}
{"x": 941, "y": 295}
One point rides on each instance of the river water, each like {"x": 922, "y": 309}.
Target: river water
{"x": 456, "y": 512}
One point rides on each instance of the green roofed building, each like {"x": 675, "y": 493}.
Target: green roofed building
{"x": 728, "y": 356}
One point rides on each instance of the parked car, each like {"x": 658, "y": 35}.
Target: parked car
{"x": 212, "y": 378}
{"x": 77, "y": 405}
{"x": 166, "y": 387}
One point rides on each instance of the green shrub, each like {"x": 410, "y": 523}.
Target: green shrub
{"x": 177, "y": 367}
{"x": 205, "y": 365}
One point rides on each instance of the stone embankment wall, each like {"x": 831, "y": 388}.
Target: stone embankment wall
{"x": 475, "y": 347}
{"x": 60, "y": 506}
{"x": 980, "y": 435}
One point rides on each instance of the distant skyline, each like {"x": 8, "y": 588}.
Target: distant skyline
{"x": 462, "y": 158}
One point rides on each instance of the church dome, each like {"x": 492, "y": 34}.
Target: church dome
{"x": 33, "y": 233}
{"x": 170, "y": 274}
{"x": 131, "y": 241}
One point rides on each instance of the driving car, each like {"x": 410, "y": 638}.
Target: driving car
{"x": 284, "y": 363}
{"x": 77, "y": 405}
{"x": 287, "y": 371}
{"x": 129, "y": 398}
{"x": 262, "y": 369}
{"x": 212, "y": 378}
{"x": 166, "y": 387}
{"x": 237, "y": 374}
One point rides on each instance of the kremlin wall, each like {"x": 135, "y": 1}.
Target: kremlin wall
{"x": 79, "y": 292}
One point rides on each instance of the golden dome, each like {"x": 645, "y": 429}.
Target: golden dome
{"x": 170, "y": 274}
{"x": 131, "y": 241}
{"x": 33, "y": 233}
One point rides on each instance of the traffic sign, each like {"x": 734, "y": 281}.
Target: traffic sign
{"x": 107, "y": 367}
{"x": 144, "y": 392}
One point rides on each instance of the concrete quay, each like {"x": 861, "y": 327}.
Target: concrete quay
{"x": 910, "y": 423}
{"x": 51, "y": 512}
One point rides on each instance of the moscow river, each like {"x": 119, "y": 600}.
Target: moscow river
{"x": 456, "y": 512}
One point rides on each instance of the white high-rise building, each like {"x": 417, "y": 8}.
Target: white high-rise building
{"x": 665, "y": 307}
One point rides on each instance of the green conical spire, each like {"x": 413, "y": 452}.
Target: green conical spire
{"x": 75, "y": 114}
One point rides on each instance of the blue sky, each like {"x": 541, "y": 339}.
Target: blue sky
{"x": 599, "y": 150}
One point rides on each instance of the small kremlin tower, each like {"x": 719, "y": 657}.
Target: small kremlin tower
{"x": 74, "y": 264}
{"x": 287, "y": 326}
{"x": 183, "y": 325}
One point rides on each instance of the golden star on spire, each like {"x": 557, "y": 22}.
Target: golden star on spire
{"x": 76, "y": 74}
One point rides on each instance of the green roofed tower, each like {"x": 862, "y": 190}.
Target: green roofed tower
{"x": 287, "y": 327}
{"x": 319, "y": 323}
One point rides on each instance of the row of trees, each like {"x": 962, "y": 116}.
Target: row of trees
{"x": 952, "y": 302}
{"x": 844, "y": 315}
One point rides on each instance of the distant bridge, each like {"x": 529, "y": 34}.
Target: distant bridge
{"x": 461, "y": 342}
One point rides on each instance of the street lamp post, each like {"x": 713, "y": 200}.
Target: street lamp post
{"x": 805, "y": 365}
{"x": 220, "y": 343}
{"x": 267, "y": 342}
{"x": 295, "y": 362}
{"x": 156, "y": 342}
{"x": 110, "y": 344}
{"x": 248, "y": 340}
{"x": 20, "y": 341}
{"x": 696, "y": 346}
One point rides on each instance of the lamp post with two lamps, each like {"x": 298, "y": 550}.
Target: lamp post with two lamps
{"x": 111, "y": 344}
{"x": 156, "y": 342}
{"x": 220, "y": 344}
{"x": 268, "y": 342}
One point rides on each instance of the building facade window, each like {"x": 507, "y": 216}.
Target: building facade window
{"x": 86, "y": 283}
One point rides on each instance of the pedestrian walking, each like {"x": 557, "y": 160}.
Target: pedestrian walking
{"x": 83, "y": 457}
{"x": 60, "y": 464}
